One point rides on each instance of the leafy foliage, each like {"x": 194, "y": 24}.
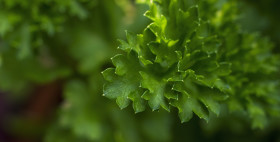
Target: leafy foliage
{"x": 194, "y": 56}
{"x": 72, "y": 52}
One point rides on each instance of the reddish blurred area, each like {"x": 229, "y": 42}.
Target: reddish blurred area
{"x": 23, "y": 122}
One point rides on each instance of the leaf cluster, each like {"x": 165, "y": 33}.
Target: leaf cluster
{"x": 193, "y": 56}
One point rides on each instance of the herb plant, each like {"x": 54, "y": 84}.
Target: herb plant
{"x": 196, "y": 59}
{"x": 193, "y": 56}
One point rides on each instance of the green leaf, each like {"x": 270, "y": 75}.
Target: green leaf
{"x": 139, "y": 104}
{"x": 122, "y": 84}
{"x": 155, "y": 95}
{"x": 224, "y": 69}
{"x": 187, "y": 105}
{"x": 258, "y": 116}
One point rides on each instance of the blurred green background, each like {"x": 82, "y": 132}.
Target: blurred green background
{"x": 51, "y": 56}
